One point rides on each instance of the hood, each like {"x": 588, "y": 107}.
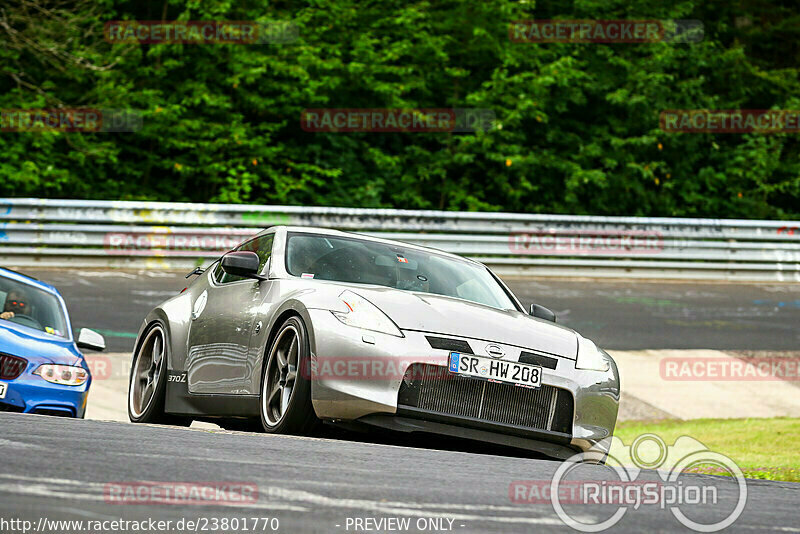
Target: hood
{"x": 442, "y": 315}
{"x": 33, "y": 345}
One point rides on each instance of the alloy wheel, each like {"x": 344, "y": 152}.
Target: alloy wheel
{"x": 147, "y": 372}
{"x": 281, "y": 375}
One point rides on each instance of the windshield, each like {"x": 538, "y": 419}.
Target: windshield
{"x": 358, "y": 261}
{"x": 31, "y": 307}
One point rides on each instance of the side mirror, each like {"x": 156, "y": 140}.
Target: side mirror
{"x": 542, "y": 313}
{"x": 89, "y": 339}
{"x": 242, "y": 263}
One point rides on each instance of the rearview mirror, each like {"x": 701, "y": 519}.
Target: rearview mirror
{"x": 542, "y": 313}
{"x": 89, "y": 339}
{"x": 242, "y": 263}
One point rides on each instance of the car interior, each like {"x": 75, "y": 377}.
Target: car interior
{"x": 42, "y": 311}
{"x": 363, "y": 262}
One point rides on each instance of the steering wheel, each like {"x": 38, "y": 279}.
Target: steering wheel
{"x": 27, "y": 320}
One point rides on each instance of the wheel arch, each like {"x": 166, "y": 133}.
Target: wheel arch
{"x": 147, "y": 324}
{"x": 290, "y": 308}
{"x": 175, "y": 330}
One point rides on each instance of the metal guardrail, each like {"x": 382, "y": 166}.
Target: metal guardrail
{"x": 159, "y": 235}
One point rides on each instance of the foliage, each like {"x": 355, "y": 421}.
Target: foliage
{"x": 578, "y": 133}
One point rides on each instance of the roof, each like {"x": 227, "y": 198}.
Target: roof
{"x": 25, "y": 279}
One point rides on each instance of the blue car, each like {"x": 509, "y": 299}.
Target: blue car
{"x": 41, "y": 369}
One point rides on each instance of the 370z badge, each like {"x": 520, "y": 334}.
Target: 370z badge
{"x": 177, "y": 377}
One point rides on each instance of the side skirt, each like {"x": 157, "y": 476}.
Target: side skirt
{"x": 180, "y": 402}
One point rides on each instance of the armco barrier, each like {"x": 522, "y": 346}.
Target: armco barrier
{"x": 160, "y": 235}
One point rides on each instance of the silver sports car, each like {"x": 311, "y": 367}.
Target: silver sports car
{"x": 302, "y": 325}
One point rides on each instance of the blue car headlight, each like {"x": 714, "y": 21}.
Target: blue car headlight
{"x": 66, "y": 375}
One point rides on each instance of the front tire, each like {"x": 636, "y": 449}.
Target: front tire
{"x": 285, "y": 398}
{"x": 148, "y": 381}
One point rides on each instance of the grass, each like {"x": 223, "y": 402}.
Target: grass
{"x": 763, "y": 448}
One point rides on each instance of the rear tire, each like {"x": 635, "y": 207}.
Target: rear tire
{"x": 285, "y": 398}
{"x": 148, "y": 380}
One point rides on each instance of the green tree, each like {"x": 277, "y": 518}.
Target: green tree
{"x": 577, "y": 124}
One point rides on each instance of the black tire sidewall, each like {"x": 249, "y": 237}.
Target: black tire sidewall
{"x": 299, "y": 412}
{"x": 154, "y": 413}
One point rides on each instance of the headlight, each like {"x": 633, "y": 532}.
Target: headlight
{"x": 589, "y": 356}
{"x": 65, "y": 375}
{"x": 361, "y": 313}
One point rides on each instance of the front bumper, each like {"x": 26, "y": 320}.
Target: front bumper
{"x": 30, "y": 393}
{"x": 351, "y": 396}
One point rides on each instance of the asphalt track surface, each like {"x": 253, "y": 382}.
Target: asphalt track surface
{"x": 621, "y": 315}
{"x": 59, "y": 469}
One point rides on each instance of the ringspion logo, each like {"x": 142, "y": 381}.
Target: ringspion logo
{"x": 586, "y": 492}
{"x": 648, "y": 472}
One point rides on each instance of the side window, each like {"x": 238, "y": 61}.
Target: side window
{"x": 260, "y": 245}
{"x": 218, "y": 272}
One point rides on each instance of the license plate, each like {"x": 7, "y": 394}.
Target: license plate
{"x": 523, "y": 374}
{"x": 3, "y": 389}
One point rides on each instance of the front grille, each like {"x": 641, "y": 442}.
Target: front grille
{"x": 544, "y": 408}
{"x": 11, "y": 366}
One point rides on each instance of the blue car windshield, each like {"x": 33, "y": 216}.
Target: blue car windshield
{"x": 30, "y": 306}
{"x": 347, "y": 259}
